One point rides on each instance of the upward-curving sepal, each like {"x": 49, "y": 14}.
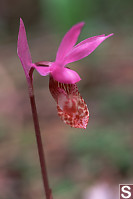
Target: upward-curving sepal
{"x": 68, "y": 41}
{"x": 23, "y": 49}
{"x": 84, "y": 48}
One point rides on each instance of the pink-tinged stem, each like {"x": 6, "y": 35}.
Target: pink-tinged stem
{"x": 47, "y": 189}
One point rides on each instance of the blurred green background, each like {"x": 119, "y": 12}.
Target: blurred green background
{"x": 81, "y": 163}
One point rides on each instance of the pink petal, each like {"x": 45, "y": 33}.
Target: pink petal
{"x": 43, "y": 63}
{"x": 84, "y": 48}
{"x": 42, "y": 70}
{"x": 23, "y": 49}
{"x": 68, "y": 41}
{"x": 71, "y": 107}
{"x": 42, "y": 67}
{"x": 65, "y": 75}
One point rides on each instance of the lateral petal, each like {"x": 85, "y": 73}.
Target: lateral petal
{"x": 43, "y": 70}
{"x": 68, "y": 41}
{"x": 84, "y": 48}
{"x": 42, "y": 67}
{"x": 23, "y": 49}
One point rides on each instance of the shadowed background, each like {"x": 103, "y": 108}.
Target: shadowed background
{"x": 81, "y": 163}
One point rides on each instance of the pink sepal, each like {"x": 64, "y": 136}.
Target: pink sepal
{"x": 68, "y": 41}
{"x": 84, "y": 48}
{"x": 23, "y": 49}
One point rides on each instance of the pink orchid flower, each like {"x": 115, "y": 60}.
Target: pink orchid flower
{"x": 70, "y": 105}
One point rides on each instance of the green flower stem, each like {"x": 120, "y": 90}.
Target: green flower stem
{"x": 47, "y": 189}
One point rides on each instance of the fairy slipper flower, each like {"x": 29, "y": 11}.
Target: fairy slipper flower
{"x": 70, "y": 105}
